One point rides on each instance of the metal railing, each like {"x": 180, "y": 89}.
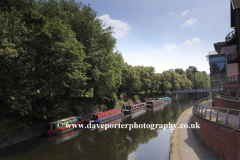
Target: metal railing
{"x": 217, "y": 89}
{"x": 211, "y": 53}
{"x": 232, "y": 91}
{"x": 233, "y": 57}
{"x": 191, "y": 91}
{"x": 226, "y": 116}
{"x": 230, "y": 36}
{"x": 235, "y": 99}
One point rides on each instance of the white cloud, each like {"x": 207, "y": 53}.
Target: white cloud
{"x": 185, "y": 12}
{"x": 196, "y": 40}
{"x": 143, "y": 47}
{"x": 170, "y": 47}
{"x": 120, "y": 28}
{"x": 189, "y": 22}
{"x": 187, "y": 43}
{"x": 191, "y": 42}
{"x": 170, "y": 14}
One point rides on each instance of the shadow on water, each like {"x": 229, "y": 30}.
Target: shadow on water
{"x": 112, "y": 144}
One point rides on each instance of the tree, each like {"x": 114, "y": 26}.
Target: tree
{"x": 144, "y": 74}
{"x": 199, "y": 77}
{"x": 46, "y": 61}
{"x": 19, "y": 5}
{"x": 155, "y": 82}
{"x": 130, "y": 80}
{"x": 98, "y": 45}
{"x": 180, "y": 71}
{"x": 165, "y": 86}
{"x": 190, "y": 72}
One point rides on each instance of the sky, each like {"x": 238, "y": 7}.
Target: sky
{"x": 165, "y": 34}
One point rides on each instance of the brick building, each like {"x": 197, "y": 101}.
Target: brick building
{"x": 224, "y": 61}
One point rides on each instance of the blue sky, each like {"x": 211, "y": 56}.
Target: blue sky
{"x": 165, "y": 34}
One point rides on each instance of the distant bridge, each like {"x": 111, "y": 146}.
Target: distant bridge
{"x": 191, "y": 91}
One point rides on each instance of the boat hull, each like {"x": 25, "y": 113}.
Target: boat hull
{"x": 57, "y": 131}
{"x": 154, "y": 105}
{"x": 107, "y": 119}
{"x": 133, "y": 111}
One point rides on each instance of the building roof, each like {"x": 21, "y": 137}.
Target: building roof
{"x": 218, "y": 46}
{"x": 235, "y": 4}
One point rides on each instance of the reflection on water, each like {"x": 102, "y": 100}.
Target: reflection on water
{"x": 117, "y": 121}
{"x": 112, "y": 144}
{"x": 136, "y": 114}
{"x": 64, "y": 137}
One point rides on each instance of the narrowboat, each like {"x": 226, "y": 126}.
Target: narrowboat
{"x": 60, "y": 125}
{"x": 155, "y": 103}
{"x": 106, "y": 116}
{"x": 166, "y": 99}
{"x": 133, "y": 108}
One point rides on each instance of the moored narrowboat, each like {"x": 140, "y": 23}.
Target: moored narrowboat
{"x": 60, "y": 125}
{"x": 166, "y": 99}
{"x": 106, "y": 116}
{"x": 133, "y": 108}
{"x": 155, "y": 103}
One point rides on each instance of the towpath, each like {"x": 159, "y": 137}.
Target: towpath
{"x": 189, "y": 146}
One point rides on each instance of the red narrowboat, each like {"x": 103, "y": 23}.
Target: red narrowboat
{"x": 106, "y": 116}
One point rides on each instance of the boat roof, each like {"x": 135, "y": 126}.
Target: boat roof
{"x": 107, "y": 112}
{"x": 135, "y": 104}
{"x": 167, "y": 98}
{"x": 164, "y": 98}
{"x": 63, "y": 119}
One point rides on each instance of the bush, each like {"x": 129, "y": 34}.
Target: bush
{"x": 129, "y": 101}
{"x": 135, "y": 98}
{"x": 102, "y": 107}
{"x": 119, "y": 102}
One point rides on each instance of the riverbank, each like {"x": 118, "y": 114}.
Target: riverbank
{"x": 185, "y": 144}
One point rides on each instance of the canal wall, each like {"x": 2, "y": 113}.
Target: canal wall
{"x": 35, "y": 131}
{"x": 227, "y": 103}
{"x": 223, "y": 140}
{"x": 29, "y": 133}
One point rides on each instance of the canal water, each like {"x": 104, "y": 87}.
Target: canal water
{"x": 110, "y": 144}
